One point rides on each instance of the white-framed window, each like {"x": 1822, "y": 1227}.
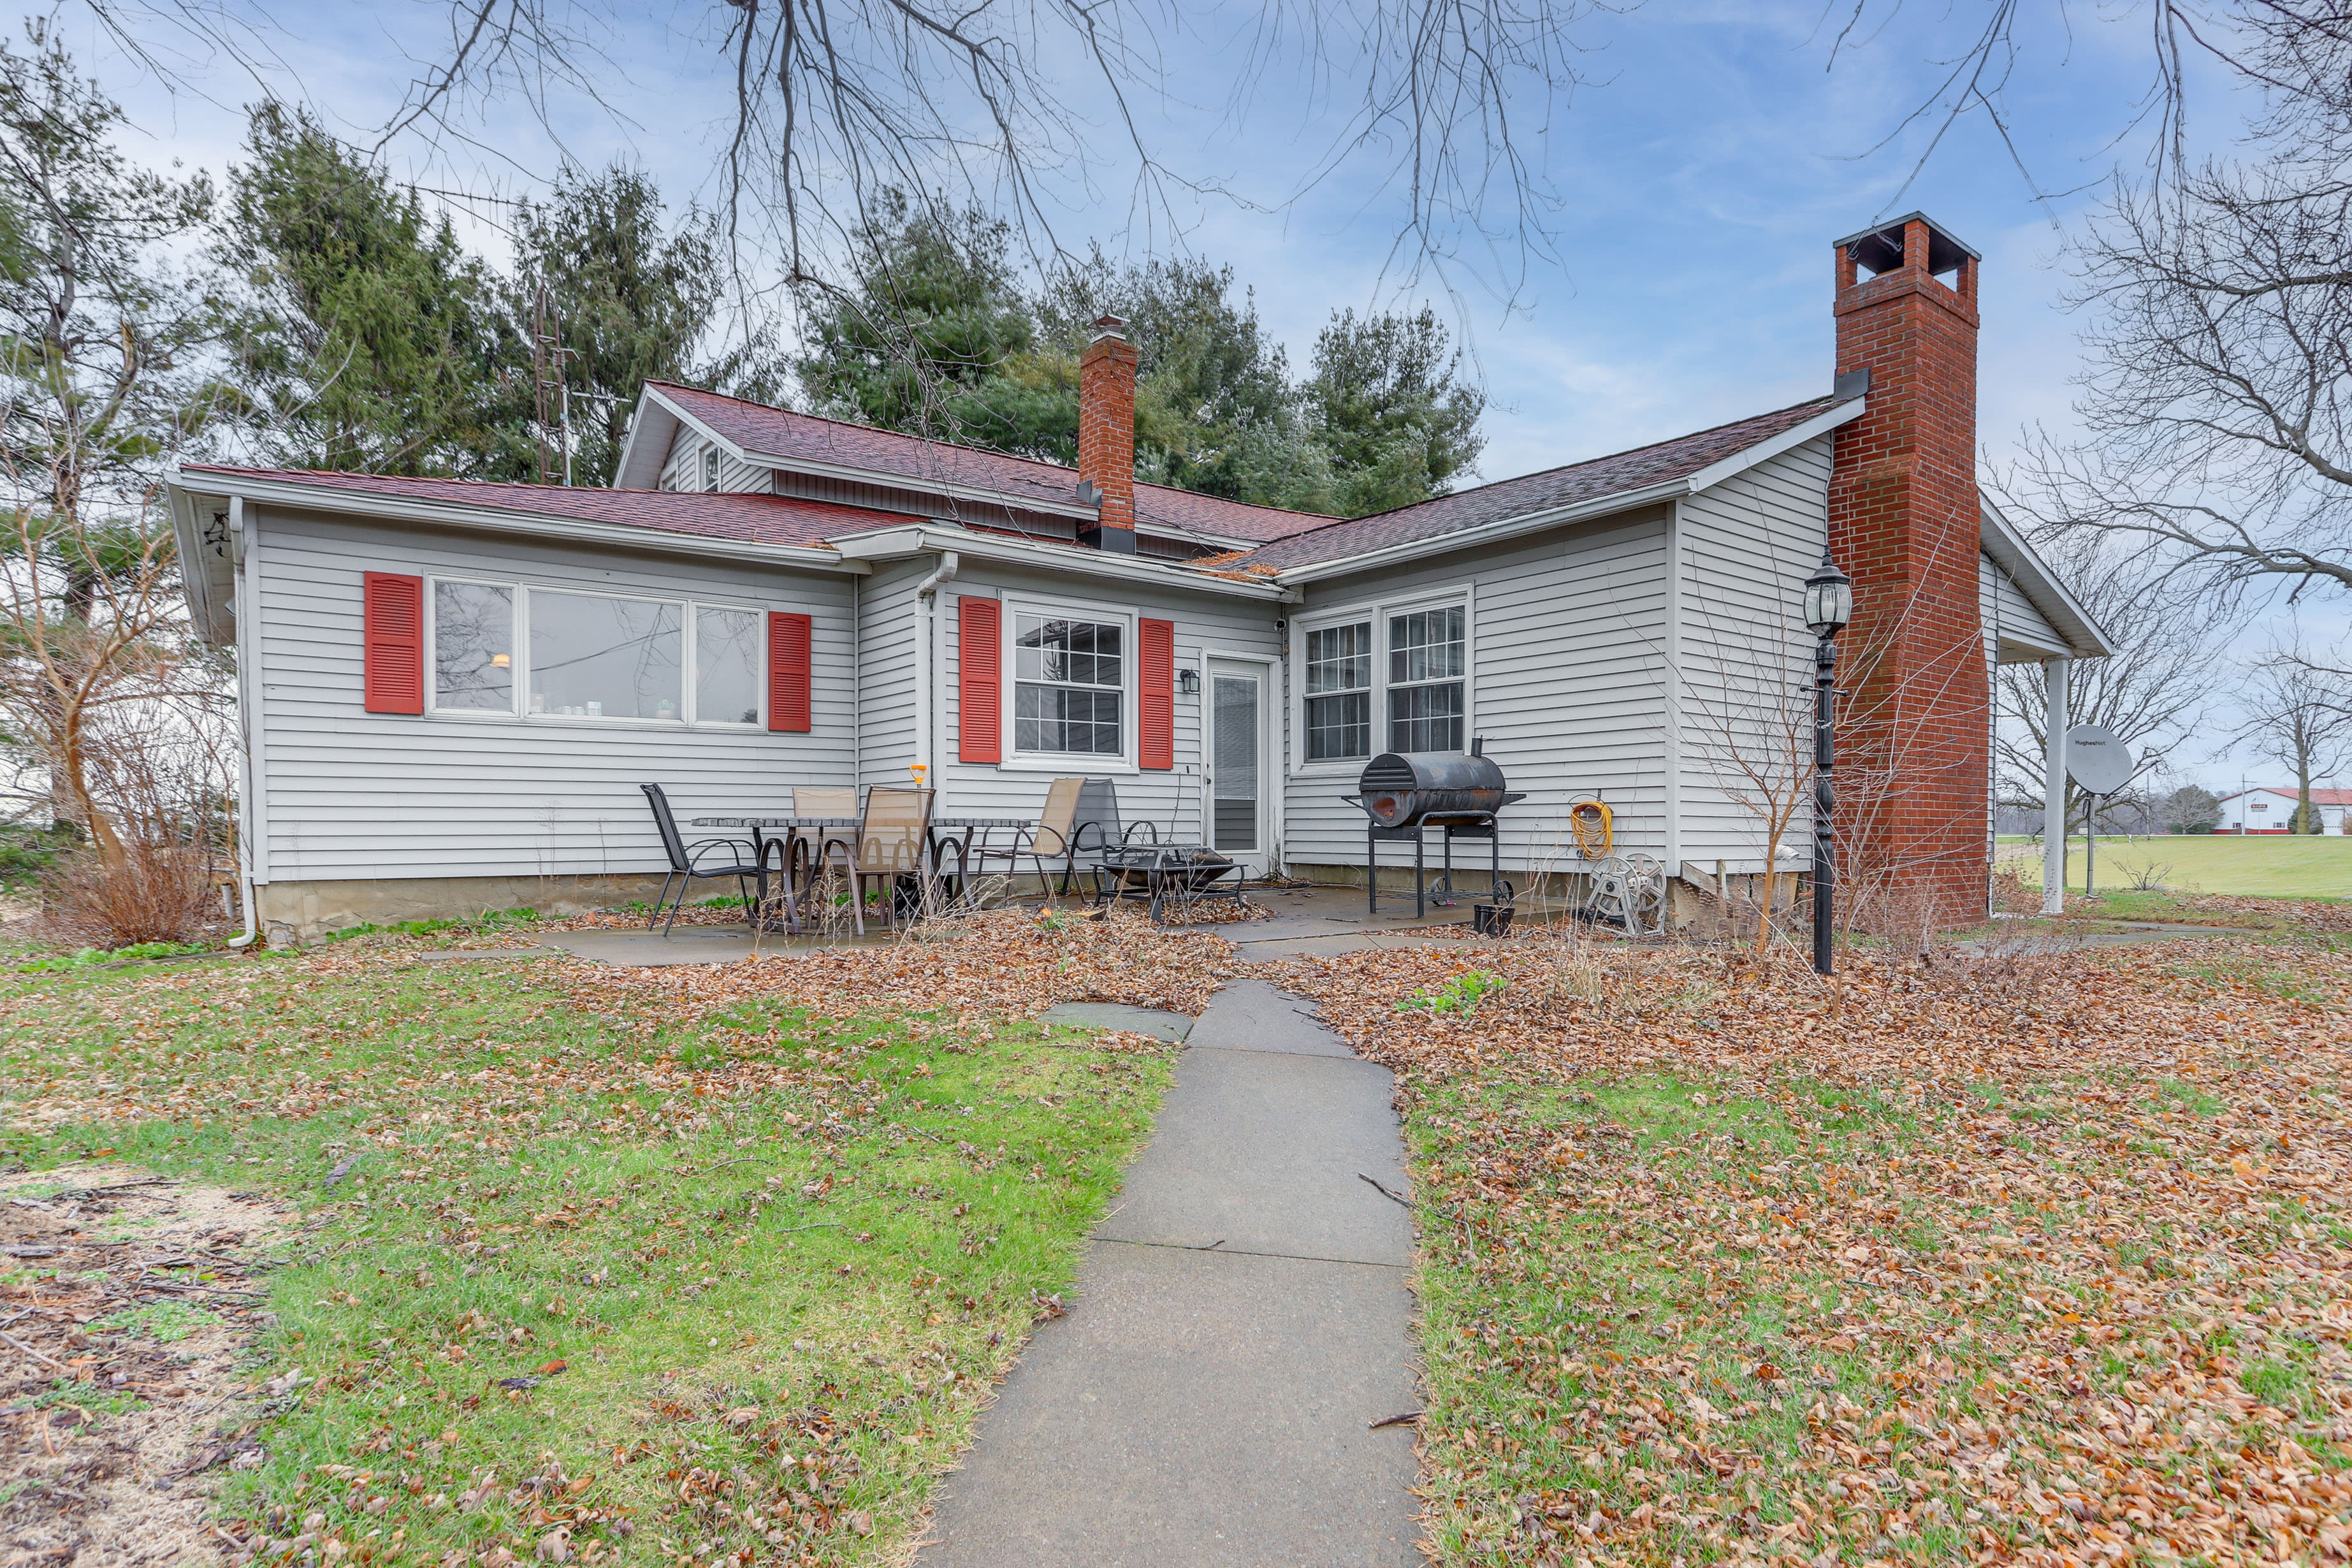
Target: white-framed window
{"x": 1383, "y": 676}
{"x": 1069, "y": 682}
{"x": 1428, "y": 665}
{"x": 710, "y": 467}
{"x": 548, "y": 654}
{"x": 1340, "y": 691}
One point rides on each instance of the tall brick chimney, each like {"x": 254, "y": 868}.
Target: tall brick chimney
{"x": 1107, "y": 436}
{"x": 1915, "y": 737}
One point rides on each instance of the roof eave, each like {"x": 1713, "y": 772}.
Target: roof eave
{"x": 2085, "y": 638}
{"x": 498, "y": 520}
{"x": 979, "y": 494}
{"x": 901, "y": 540}
{"x": 1485, "y": 533}
{"x": 187, "y": 539}
{"x": 646, "y": 449}
{"x": 1771, "y": 447}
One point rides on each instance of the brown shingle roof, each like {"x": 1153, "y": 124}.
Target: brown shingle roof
{"x": 804, "y": 437}
{"x": 1613, "y": 474}
{"x": 762, "y": 519}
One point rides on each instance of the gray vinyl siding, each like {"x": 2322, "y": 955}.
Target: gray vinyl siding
{"x": 353, "y": 794}
{"x": 2007, "y": 613}
{"x": 1746, "y": 546}
{"x": 1568, "y": 664}
{"x": 1210, "y": 623}
{"x": 682, "y": 469}
{"x": 890, "y": 662}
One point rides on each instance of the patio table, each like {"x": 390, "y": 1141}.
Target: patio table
{"x": 793, "y": 828}
{"x": 970, "y": 826}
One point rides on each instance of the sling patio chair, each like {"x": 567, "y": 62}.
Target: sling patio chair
{"x": 807, "y": 850}
{"x": 686, "y": 867}
{"x": 892, "y": 835}
{"x": 1053, "y": 837}
{"x": 1100, "y": 832}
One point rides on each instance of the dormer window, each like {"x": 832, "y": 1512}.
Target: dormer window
{"x": 710, "y": 467}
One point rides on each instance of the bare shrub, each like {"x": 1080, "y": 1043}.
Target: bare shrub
{"x": 142, "y": 892}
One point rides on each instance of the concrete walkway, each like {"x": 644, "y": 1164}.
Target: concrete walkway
{"x": 1240, "y": 1322}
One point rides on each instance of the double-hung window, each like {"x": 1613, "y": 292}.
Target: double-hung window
{"x": 1339, "y": 692}
{"x": 555, "y": 654}
{"x": 1068, "y": 686}
{"x": 1428, "y": 659}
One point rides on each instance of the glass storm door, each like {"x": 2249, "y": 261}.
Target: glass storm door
{"x": 1237, "y": 762}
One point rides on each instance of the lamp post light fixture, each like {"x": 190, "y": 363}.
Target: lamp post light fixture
{"x": 1829, "y": 606}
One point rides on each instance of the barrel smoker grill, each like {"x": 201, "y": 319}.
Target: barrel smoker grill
{"x": 1403, "y": 794}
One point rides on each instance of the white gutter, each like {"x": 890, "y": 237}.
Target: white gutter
{"x": 496, "y": 519}
{"x": 917, "y": 539}
{"x": 926, "y": 594}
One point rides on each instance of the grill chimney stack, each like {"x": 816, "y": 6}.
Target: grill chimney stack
{"x": 1107, "y": 436}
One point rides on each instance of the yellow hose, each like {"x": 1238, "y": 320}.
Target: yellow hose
{"x": 1589, "y": 822}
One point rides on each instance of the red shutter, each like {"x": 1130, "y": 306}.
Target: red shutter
{"x": 392, "y": 635}
{"x": 1159, "y": 671}
{"x": 980, "y": 680}
{"x": 788, "y": 672}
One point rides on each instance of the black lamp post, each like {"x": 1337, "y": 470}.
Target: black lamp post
{"x": 1829, "y": 606}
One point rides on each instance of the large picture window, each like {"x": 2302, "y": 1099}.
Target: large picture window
{"x": 1339, "y": 692}
{"x": 473, "y": 646}
{"x": 727, "y": 666}
{"x": 545, "y": 653}
{"x": 1428, "y": 657}
{"x": 1070, "y": 688}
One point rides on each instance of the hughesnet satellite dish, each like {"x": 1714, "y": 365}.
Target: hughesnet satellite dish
{"x": 2097, "y": 759}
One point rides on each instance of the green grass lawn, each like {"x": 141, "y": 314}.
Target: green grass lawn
{"x": 2022, "y": 1261}
{"x": 606, "y": 1266}
{"x": 2280, "y": 867}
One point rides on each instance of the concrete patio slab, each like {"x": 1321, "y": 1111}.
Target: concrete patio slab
{"x": 652, "y": 950}
{"x": 1198, "y": 1411}
{"x": 1242, "y": 1319}
{"x": 1155, "y": 1021}
{"x": 460, "y": 954}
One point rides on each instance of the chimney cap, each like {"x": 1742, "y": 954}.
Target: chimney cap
{"x": 1108, "y": 326}
{"x": 1880, "y": 246}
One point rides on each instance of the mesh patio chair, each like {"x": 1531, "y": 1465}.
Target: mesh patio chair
{"x": 807, "y": 851}
{"x": 1099, "y": 831}
{"x": 685, "y": 866}
{"x": 1052, "y": 837}
{"x": 892, "y": 834}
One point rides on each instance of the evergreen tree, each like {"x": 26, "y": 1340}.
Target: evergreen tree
{"x": 923, "y": 341}
{"x": 631, "y": 300}
{"x": 365, "y": 337}
{"x": 1389, "y": 411}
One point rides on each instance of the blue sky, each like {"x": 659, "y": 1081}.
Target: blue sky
{"x": 1703, "y": 169}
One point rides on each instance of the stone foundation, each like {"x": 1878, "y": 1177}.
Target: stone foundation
{"x": 304, "y": 912}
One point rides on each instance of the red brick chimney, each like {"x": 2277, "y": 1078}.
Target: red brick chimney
{"x": 1915, "y": 737}
{"x": 1107, "y": 436}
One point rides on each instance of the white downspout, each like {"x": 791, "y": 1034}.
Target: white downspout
{"x": 2053, "y": 787}
{"x": 244, "y": 599}
{"x": 926, "y": 707}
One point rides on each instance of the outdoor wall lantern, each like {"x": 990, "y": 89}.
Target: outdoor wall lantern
{"x": 1188, "y": 681}
{"x": 1829, "y": 606}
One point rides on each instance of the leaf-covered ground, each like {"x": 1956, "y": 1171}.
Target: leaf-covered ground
{"x": 594, "y": 1265}
{"x": 2040, "y": 1258}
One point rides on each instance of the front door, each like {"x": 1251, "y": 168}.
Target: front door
{"x": 1237, "y": 762}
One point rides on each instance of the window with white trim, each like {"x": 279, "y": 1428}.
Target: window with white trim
{"x": 1068, "y": 686}
{"x": 1428, "y": 657}
{"x": 710, "y": 467}
{"x": 1339, "y": 692}
{"x": 473, "y": 646}
{"x": 505, "y": 649}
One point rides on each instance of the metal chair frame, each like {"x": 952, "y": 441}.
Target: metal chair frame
{"x": 872, "y": 854}
{"x": 686, "y": 866}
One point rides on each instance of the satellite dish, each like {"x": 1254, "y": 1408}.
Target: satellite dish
{"x": 2097, "y": 759}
